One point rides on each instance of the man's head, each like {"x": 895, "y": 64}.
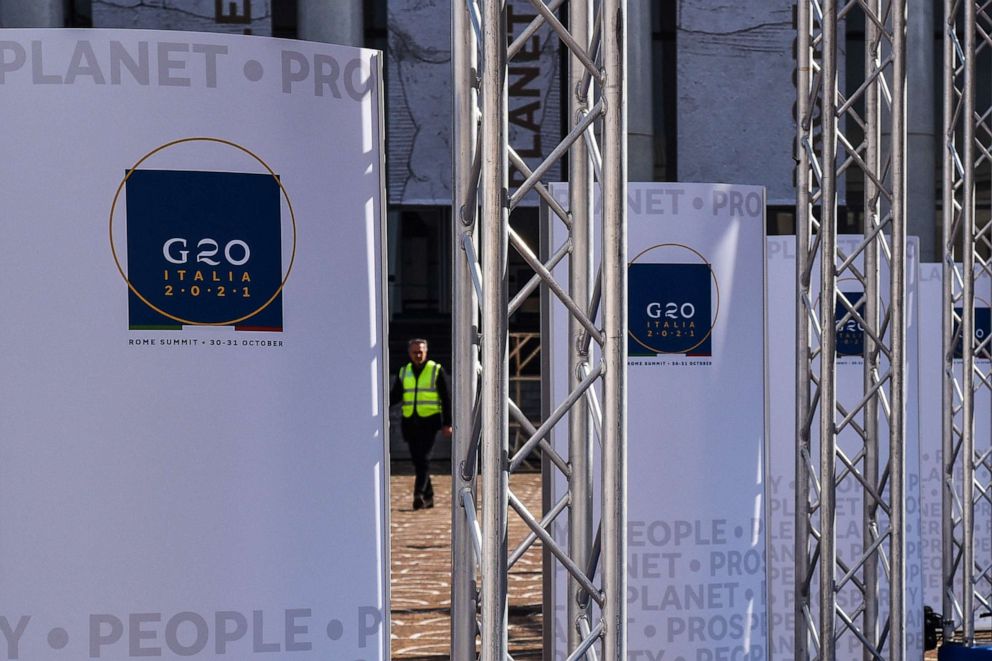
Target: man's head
{"x": 417, "y": 348}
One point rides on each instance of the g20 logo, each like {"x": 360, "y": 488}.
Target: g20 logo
{"x": 673, "y": 302}
{"x": 204, "y": 247}
{"x": 672, "y": 310}
{"x": 207, "y": 248}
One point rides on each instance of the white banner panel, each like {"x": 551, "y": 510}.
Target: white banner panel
{"x": 782, "y": 375}
{"x": 931, "y": 412}
{"x": 696, "y": 425}
{"x": 237, "y": 17}
{"x": 193, "y": 457}
{"x": 781, "y": 313}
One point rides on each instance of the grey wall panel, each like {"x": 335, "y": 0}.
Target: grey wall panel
{"x": 736, "y": 94}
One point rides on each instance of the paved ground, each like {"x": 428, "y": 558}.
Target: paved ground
{"x": 421, "y": 569}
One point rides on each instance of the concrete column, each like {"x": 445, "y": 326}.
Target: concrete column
{"x": 334, "y": 22}
{"x": 921, "y": 146}
{"x": 640, "y": 106}
{"x": 32, "y": 13}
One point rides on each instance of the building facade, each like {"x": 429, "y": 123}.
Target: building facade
{"x": 711, "y": 98}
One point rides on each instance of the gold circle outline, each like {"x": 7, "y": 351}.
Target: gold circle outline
{"x": 113, "y": 248}
{"x": 716, "y": 284}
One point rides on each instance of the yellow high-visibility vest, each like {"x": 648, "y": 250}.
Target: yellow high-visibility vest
{"x": 420, "y": 393}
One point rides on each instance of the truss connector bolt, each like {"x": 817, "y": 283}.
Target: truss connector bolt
{"x": 474, "y": 590}
{"x": 582, "y": 343}
{"x": 467, "y": 472}
{"x": 466, "y": 218}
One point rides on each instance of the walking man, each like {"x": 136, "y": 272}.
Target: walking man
{"x": 422, "y": 387}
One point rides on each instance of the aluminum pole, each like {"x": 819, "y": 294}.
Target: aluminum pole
{"x": 464, "y": 326}
{"x": 968, "y": 326}
{"x": 495, "y": 374}
{"x": 897, "y": 310}
{"x": 804, "y": 266}
{"x": 614, "y": 510}
{"x": 948, "y": 444}
{"x": 828, "y": 288}
{"x": 580, "y": 178}
{"x": 871, "y": 367}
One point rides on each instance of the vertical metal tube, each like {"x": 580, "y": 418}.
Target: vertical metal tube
{"x": 804, "y": 130}
{"x": 968, "y": 325}
{"x": 464, "y": 319}
{"x": 947, "y": 423}
{"x": 873, "y": 210}
{"x": 982, "y": 172}
{"x": 580, "y": 275}
{"x": 550, "y": 598}
{"x": 495, "y": 375}
{"x": 828, "y": 287}
{"x": 897, "y": 423}
{"x": 614, "y": 521}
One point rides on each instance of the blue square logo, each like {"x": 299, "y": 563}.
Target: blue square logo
{"x": 203, "y": 248}
{"x": 670, "y": 309}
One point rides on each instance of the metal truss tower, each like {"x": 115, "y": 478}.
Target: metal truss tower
{"x": 853, "y": 134}
{"x": 595, "y": 147}
{"x": 967, "y": 467}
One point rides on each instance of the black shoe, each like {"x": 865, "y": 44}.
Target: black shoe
{"x": 418, "y": 502}
{"x": 428, "y": 502}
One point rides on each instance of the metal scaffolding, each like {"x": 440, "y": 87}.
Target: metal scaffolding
{"x": 853, "y": 133}
{"x": 967, "y": 578}
{"x": 482, "y": 215}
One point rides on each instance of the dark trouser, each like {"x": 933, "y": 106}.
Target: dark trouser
{"x": 419, "y": 433}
